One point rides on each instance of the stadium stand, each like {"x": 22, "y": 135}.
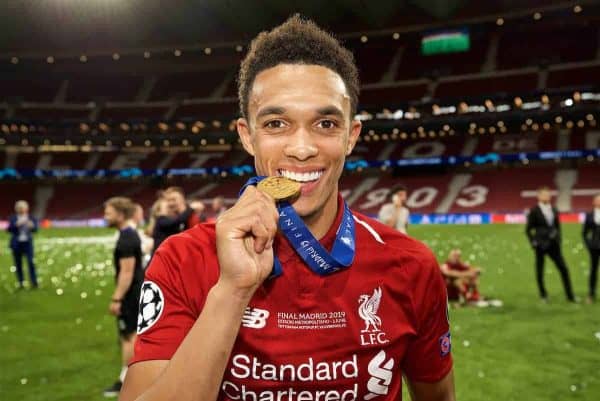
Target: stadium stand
{"x": 164, "y": 114}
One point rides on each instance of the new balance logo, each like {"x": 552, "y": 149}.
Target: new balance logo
{"x": 381, "y": 375}
{"x": 255, "y": 318}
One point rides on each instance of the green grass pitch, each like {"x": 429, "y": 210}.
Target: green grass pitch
{"x": 59, "y": 343}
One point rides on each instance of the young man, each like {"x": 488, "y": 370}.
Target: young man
{"x": 395, "y": 214}
{"x": 591, "y": 237}
{"x": 462, "y": 279}
{"x": 118, "y": 212}
{"x": 543, "y": 232}
{"x": 21, "y": 227}
{"x": 305, "y": 334}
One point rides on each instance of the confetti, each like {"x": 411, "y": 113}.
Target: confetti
{"x": 59, "y": 291}
{"x": 24, "y": 380}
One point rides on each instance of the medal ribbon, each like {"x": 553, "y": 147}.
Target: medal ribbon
{"x": 307, "y": 246}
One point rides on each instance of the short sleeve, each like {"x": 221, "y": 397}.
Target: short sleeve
{"x": 384, "y": 213}
{"x": 428, "y": 357}
{"x": 166, "y": 313}
{"x": 128, "y": 246}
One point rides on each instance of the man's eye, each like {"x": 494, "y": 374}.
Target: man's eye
{"x": 327, "y": 124}
{"x": 275, "y": 124}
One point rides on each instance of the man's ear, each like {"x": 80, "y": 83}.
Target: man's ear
{"x": 243, "y": 129}
{"x": 355, "y": 128}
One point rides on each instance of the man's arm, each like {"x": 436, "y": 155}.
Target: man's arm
{"x": 12, "y": 226}
{"x": 166, "y": 223}
{"x": 587, "y": 229}
{"x": 442, "y": 390}
{"x": 530, "y": 227}
{"x": 244, "y": 247}
{"x": 127, "y": 266}
{"x": 388, "y": 215}
{"x": 205, "y": 349}
{"x": 446, "y": 271}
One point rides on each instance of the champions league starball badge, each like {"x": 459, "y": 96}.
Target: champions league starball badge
{"x": 152, "y": 304}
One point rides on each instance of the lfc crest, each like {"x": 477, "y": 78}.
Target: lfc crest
{"x": 367, "y": 310}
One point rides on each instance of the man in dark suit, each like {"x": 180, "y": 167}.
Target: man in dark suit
{"x": 543, "y": 231}
{"x": 591, "y": 237}
{"x": 21, "y": 226}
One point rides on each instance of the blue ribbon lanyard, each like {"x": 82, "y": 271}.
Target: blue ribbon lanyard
{"x": 307, "y": 246}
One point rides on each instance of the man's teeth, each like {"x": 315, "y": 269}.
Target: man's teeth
{"x": 301, "y": 177}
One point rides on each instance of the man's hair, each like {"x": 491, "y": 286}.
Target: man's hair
{"x": 122, "y": 205}
{"x": 174, "y": 189}
{"x": 543, "y": 188}
{"x": 297, "y": 41}
{"x": 395, "y": 189}
{"x": 21, "y": 204}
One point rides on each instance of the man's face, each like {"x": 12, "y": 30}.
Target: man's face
{"x": 175, "y": 202}
{"x": 399, "y": 197}
{"x": 597, "y": 202}
{"x": 22, "y": 210}
{"x": 112, "y": 217}
{"x": 299, "y": 126}
{"x": 544, "y": 196}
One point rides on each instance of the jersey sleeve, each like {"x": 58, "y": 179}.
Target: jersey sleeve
{"x": 428, "y": 357}
{"x": 167, "y": 311}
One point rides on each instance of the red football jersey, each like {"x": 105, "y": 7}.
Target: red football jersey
{"x": 346, "y": 336}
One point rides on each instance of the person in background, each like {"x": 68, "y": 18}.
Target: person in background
{"x": 199, "y": 208}
{"x": 395, "y": 214}
{"x": 21, "y": 227}
{"x": 462, "y": 279}
{"x": 217, "y": 208}
{"x": 138, "y": 222}
{"x": 591, "y": 237}
{"x": 543, "y": 232}
{"x": 174, "y": 216}
{"x": 124, "y": 304}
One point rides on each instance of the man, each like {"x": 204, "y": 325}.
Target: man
{"x": 395, "y": 214}
{"x": 305, "y": 334}
{"x": 118, "y": 212}
{"x": 591, "y": 237}
{"x": 217, "y": 207}
{"x": 462, "y": 279}
{"x": 21, "y": 227}
{"x": 543, "y": 231}
{"x": 176, "y": 217}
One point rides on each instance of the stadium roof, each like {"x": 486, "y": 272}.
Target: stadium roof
{"x": 108, "y": 25}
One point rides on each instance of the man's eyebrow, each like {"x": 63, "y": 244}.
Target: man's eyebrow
{"x": 330, "y": 111}
{"x": 270, "y": 110}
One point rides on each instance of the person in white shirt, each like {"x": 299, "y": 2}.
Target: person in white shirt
{"x": 591, "y": 237}
{"x": 543, "y": 231}
{"x": 395, "y": 214}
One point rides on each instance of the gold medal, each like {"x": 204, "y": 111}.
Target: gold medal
{"x": 279, "y": 188}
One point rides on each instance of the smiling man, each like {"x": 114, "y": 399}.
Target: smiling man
{"x": 348, "y": 312}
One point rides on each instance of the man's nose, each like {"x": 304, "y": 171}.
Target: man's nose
{"x": 301, "y": 145}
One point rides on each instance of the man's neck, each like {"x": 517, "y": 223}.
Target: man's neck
{"x": 320, "y": 222}
{"x": 123, "y": 225}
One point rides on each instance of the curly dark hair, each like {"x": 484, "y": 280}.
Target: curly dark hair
{"x": 297, "y": 41}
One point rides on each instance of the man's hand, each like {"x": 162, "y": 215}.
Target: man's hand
{"x": 245, "y": 235}
{"x": 114, "y": 308}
